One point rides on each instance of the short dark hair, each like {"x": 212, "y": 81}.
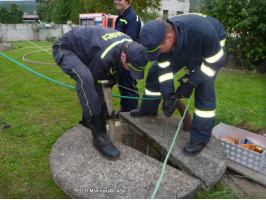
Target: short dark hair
{"x": 168, "y": 28}
{"x": 125, "y": 47}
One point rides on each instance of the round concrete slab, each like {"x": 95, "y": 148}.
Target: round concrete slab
{"x": 82, "y": 172}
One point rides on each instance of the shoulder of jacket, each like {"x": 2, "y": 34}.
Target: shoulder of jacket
{"x": 131, "y": 15}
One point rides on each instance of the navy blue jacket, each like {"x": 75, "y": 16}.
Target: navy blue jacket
{"x": 98, "y": 48}
{"x": 129, "y": 23}
{"x": 198, "y": 48}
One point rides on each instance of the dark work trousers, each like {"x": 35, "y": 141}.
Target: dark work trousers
{"x": 88, "y": 90}
{"x": 204, "y": 101}
{"x": 152, "y": 84}
{"x": 126, "y": 80}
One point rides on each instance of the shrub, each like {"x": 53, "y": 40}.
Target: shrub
{"x": 14, "y": 16}
{"x": 244, "y": 22}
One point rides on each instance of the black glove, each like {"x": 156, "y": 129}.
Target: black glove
{"x": 185, "y": 90}
{"x": 110, "y": 83}
{"x": 112, "y": 116}
{"x": 168, "y": 106}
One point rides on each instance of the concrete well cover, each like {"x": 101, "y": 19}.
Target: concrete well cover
{"x": 81, "y": 172}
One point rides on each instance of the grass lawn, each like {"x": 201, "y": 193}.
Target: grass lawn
{"x": 33, "y": 107}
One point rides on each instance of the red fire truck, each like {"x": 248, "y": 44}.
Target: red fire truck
{"x": 97, "y": 19}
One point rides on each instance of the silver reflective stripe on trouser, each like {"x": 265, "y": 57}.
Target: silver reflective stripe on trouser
{"x": 166, "y": 77}
{"x": 150, "y": 93}
{"x": 205, "y": 114}
{"x": 87, "y": 102}
{"x": 207, "y": 70}
{"x": 163, "y": 64}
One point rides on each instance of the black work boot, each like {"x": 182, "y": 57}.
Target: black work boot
{"x": 101, "y": 140}
{"x": 119, "y": 111}
{"x": 147, "y": 108}
{"x": 193, "y": 148}
{"x": 83, "y": 121}
{"x": 140, "y": 113}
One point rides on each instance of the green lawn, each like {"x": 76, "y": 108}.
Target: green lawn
{"x": 29, "y": 104}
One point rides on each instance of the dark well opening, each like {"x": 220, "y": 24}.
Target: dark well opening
{"x": 142, "y": 143}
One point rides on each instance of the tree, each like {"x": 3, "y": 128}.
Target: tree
{"x": 14, "y": 16}
{"x": 59, "y": 11}
{"x": 41, "y": 10}
{"x": 245, "y": 24}
{"x": 195, "y": 6}
{"x": 146, "y": 9}
{"x": 4, "y": 16}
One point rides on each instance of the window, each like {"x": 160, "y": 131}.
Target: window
{"x": 179, "y": 12}
{"x": 110, "y": 23}
{"x": 165, "y": 13}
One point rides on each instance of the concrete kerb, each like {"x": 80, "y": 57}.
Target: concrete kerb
{"x": 208, "y": 166}
{"x": 35, "y": 62}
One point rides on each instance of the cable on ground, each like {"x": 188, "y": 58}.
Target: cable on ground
{"x": 6, "y": 125}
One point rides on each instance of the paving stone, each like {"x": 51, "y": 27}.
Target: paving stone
{"x": 81, "y": 172}
{"x": 208, "y": 166}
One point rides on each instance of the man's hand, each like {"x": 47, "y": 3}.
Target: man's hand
{"x": 185, "y": 90}
{"x": 168, "y": 106}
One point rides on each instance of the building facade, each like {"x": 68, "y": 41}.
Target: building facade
{"x": 171, "y": 8}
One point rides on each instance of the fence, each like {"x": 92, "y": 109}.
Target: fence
{"x": 33, "y": 32}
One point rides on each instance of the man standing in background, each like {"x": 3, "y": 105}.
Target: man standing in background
{"x": 129, "y": 23}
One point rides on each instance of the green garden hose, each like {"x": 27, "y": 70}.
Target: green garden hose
{"x": 144, "y": 98}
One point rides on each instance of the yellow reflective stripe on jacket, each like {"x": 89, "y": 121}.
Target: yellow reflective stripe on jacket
{"x": 164, "y": 64}
{"x": 123, "y": 20}
{"x": 216, "y": 57}
{"x": 207, "y": 70}
{"x": 222, "y": 42}
{"x": 205, "y": 114}
{"x": 150, "y": 93}
{"x": 137, "y": 18}
{"x": 166, "y": 77}
{"x": 113, "y": 45}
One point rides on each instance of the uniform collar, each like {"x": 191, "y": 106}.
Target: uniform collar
{"x": 125, "y": 13}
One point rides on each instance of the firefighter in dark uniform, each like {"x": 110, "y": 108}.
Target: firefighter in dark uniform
{"x": 89, "y": 55}
{"x": 193, "y": 41}
{"x": 129, "y": 23}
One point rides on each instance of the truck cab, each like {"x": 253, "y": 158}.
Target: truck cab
{"x": 97, "y": 19}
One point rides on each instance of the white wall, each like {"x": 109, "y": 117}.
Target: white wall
{"x": 20, "y": 32}
{"x": 173, "y": 6}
